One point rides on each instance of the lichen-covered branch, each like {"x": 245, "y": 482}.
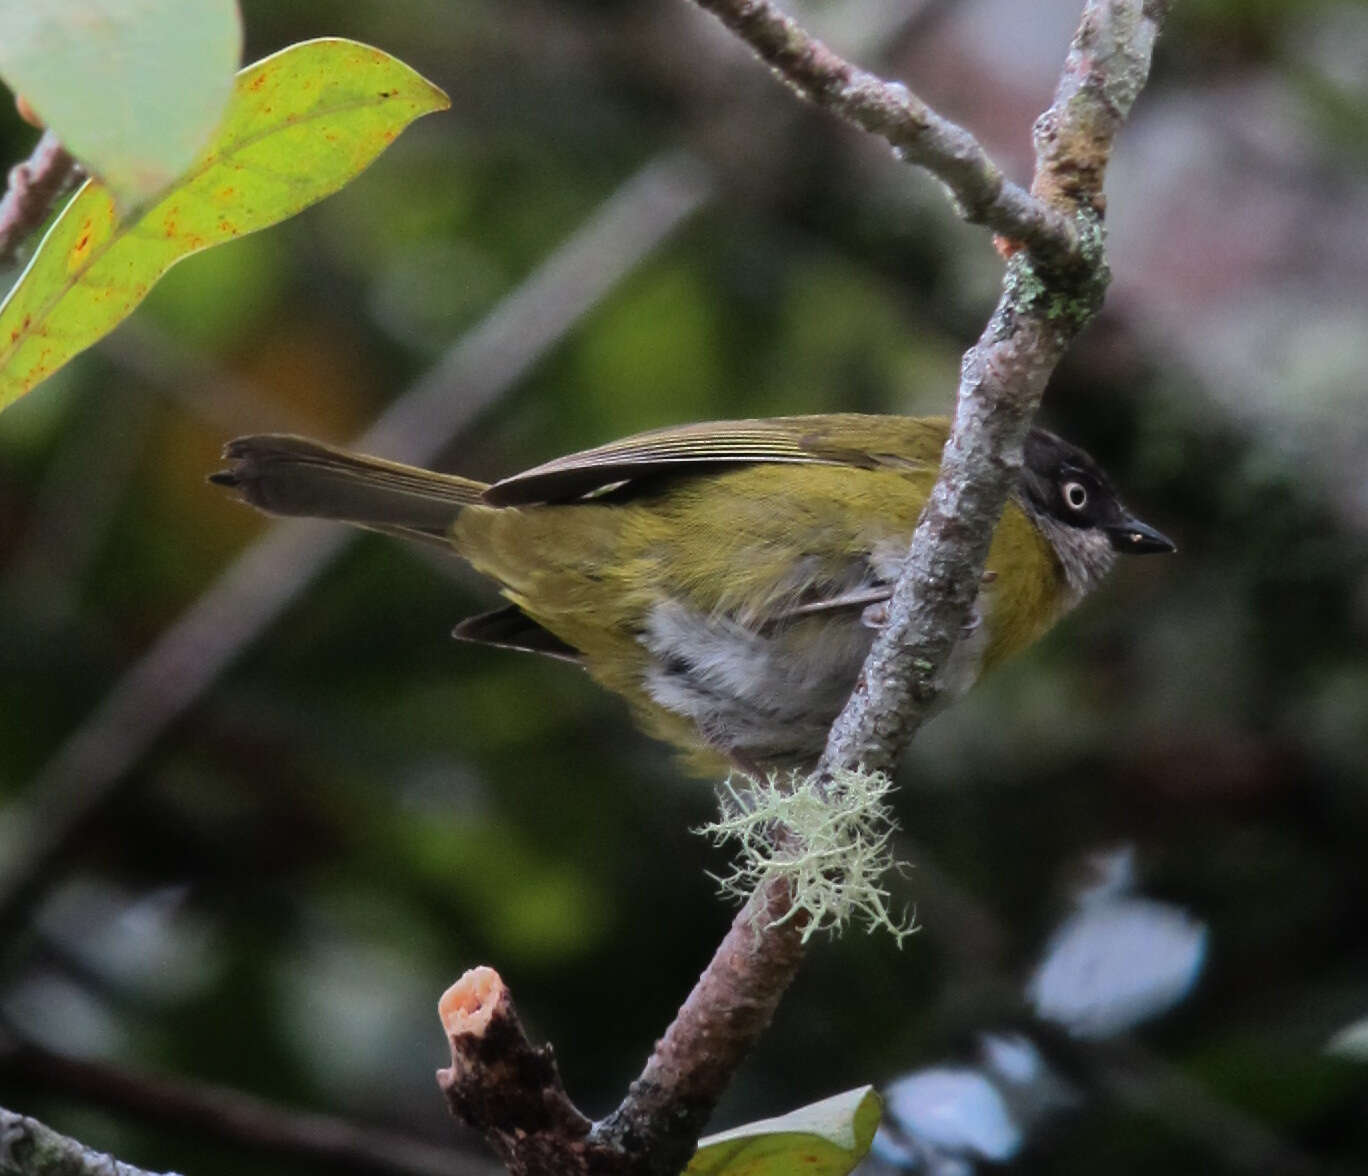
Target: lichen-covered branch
{"x": 33, "y": 187}
{"x": 1107, "y": 67}
{"x": 1002, "y": 379}
{"x": 28, "y": 1148}
{"x": 917, "y": 132}
{"x": 1051, "y": 290}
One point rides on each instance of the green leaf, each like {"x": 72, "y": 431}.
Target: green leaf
{"x": 827, "y": 1138}
{"x": 132, "y": 88}
{"x": 300, "y": 124}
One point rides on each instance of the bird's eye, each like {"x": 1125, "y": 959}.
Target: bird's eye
{"x": 1076, "y": 495}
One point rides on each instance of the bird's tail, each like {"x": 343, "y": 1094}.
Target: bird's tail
{"x": 286, "y": 475}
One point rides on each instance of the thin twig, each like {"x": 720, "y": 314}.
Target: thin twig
{"x": 85, "y": 773}
{"x": 917, "y": 133}
{"x": 33, "y": 188}
{"x": 223, "y": 1113}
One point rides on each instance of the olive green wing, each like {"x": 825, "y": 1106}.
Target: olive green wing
{"x": 850, "y": 439}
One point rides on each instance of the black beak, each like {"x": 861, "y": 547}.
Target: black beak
{"x": 1132, "y": 537}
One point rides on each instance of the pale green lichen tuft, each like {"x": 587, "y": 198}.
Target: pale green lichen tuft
{"x": 830, "y": 843}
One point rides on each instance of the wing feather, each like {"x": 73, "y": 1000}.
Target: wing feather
{"x": 511, "y": 628}
{"x": 849, "y": 439}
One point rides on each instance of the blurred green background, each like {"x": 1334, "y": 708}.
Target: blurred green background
{"x": 274, "y": 891}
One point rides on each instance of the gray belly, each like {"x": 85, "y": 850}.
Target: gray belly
{"x": 767, "y": 698}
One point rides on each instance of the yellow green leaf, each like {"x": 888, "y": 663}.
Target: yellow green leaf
{"x": 299, "y": 125}
{"x": 826, "y": 1138}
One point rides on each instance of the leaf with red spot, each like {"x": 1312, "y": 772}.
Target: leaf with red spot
{"x": 300, "y": 125}
{"x": 826, "y": 1138}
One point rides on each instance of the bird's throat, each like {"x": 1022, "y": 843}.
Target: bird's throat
{"x": 1085, "y": 554}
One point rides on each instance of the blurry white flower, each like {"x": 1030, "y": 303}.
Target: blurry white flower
{"x": 1119, "y": 959}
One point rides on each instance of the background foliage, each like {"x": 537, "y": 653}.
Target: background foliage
{"x": 360, "y": 809}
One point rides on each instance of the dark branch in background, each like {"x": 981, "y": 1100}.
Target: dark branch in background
{"x": 1051, "y": 290}
{"x": 34, "y": 187}
{"x": 28, "y": 1148}
{"x": 223, "y": 1113}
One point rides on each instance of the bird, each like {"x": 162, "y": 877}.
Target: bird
{"x": 726, "y": 578}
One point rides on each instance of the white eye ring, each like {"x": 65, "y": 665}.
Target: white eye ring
{"x": 1075, "y": 495}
